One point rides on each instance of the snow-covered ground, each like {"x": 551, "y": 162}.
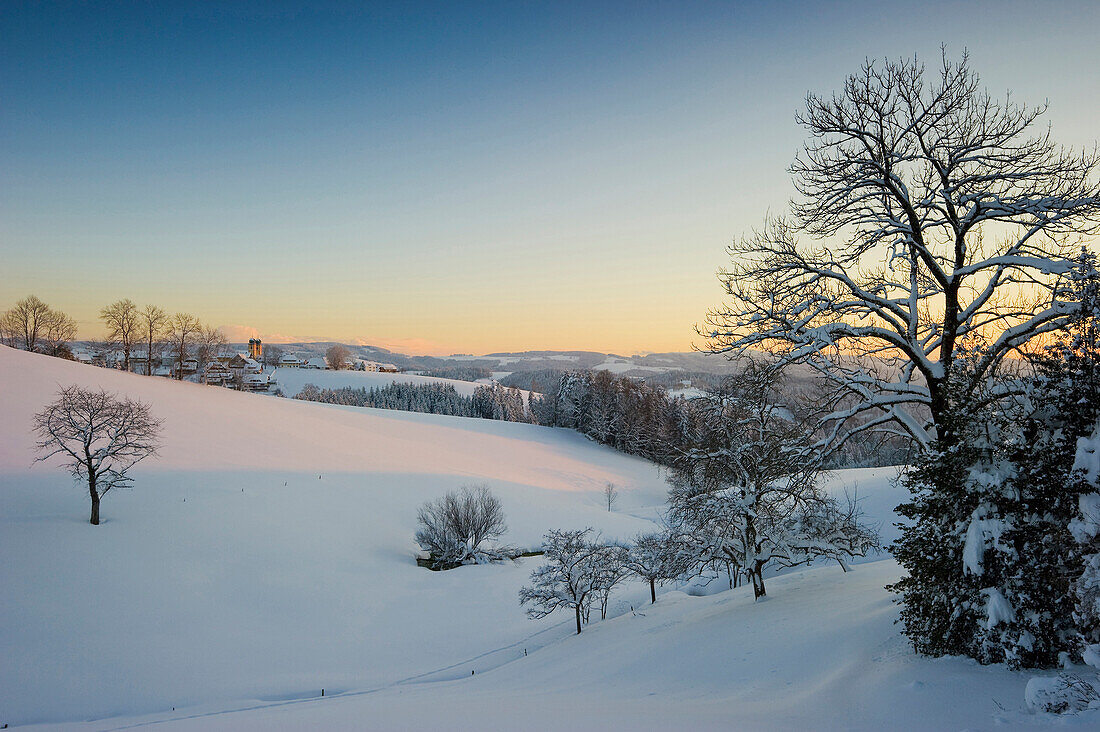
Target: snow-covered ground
{"x": 291, "y": 381}
{"x": 621, "y": 366}
{"x": 267, "y": 553}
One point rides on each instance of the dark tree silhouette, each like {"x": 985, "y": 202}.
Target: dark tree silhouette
{"x": 100, "y": 437}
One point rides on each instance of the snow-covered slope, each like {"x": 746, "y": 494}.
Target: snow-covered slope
{"x": 267, "y": 554}
{"x": 268, "y": 549}
{"x": 291, "y": 381}
{"x": 822, "y": 653}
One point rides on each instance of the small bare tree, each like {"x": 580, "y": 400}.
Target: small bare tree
{"x": 610, "y": 495}
{"x": 611, "y": 569}
{"x": 454, "y": 528}
{"x": 60, "y": 329}
{"x": 338, "y": 357}
{"x": 568, "y": 580}
{"x": 154, "y": 324}
{"x": 210, "y": 345}
{"x": 655, "y": 557}
{"x": 123, "y": 323}
{"x": 271, "y": 355}
{"x": 184, "y": 330}
{"x": 100, "y": 436}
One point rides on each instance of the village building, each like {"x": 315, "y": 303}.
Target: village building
{"x": 374, "y": 366}
{"x": 217, "y": 373}
{"x": 241, "y": 365}
{"x": 254, "y": 382}
{"x": 290, "y": 361}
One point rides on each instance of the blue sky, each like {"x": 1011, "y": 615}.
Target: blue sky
{"x": 445, "y": 177}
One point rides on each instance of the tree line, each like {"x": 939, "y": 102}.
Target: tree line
{"x": 487, "y": 402}
{"x": 143, "y": 335}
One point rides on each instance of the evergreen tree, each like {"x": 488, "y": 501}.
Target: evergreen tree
{"x": 989, "y": 554}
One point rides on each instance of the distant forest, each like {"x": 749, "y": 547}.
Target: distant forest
{"x": 487, "y": 402}
{"x": 634, "y": 416}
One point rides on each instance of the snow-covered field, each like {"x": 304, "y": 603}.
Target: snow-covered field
{"x": 621, "y": 366}
{"x": 267, "y": 553}
{"x": 291, "y": 381}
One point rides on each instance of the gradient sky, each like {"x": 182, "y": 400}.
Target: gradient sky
{"x": 440, "y": 178}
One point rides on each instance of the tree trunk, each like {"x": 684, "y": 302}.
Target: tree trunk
{"x": 758, "y": 590}
{"x": 578, "y": 609}
{"x": 94, "y": 493}
{"x": 652, "y": 590}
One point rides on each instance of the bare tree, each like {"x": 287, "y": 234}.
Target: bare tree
{"x": 8, "y": 335}
{"x": 154, "y": 324}
{"x": 747, "y": 489}
{"x": 183, "y": 330}
{"x": 568, "y": 579}
{"x": 123, "y": 323}
{"x": 454, "y": 528}
{"x": 271, "y": 355}
{"x": 25, "y": 322}
{"x": 34, "y": 326}
{"x": 611, "y": 570}
{"x": 610, "y": 495}
{"x": 100, "y": 436}
{"x": 930, "y": 218}
{"x": 654, "y": 557}
{"x": 60, "y": 330}
{"x": 210, "y": 344}
{"x": 338, "y": 357}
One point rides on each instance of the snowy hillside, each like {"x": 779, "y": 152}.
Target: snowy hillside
{"x": 291, "y": 381}
{"x": 267, "y": 550}
{"x": 267, "y": 554}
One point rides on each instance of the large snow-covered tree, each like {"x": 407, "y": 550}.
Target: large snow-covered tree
{"x": 928, "y": 215}
{"x": 1085, "y": 528}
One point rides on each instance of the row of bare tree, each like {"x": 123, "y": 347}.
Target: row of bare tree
{"x": 182, "y": 335}
{"x": 142, "y": 334}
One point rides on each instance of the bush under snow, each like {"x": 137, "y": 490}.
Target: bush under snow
{"x": 1061, "y": 694}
